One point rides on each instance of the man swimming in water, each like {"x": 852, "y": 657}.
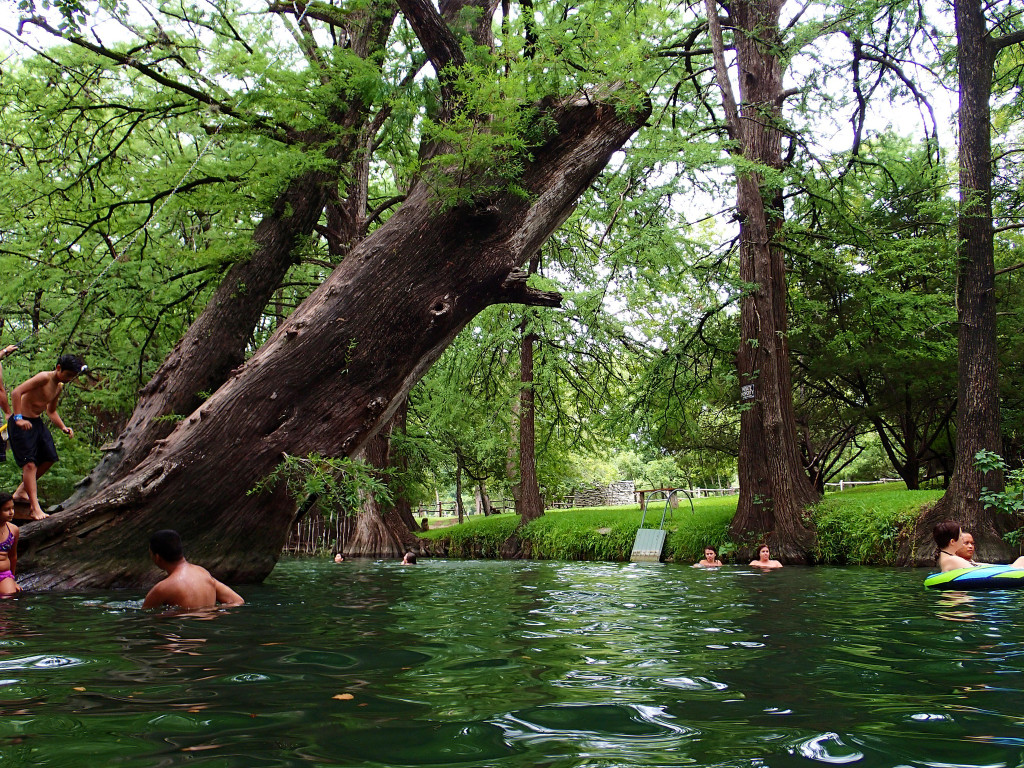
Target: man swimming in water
{"x": 186, "y": 585}
{"x": 31, "y": 442}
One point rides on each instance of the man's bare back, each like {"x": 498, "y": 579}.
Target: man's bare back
{"x": 186, "y": 586}
{"x": 191, "y": 586}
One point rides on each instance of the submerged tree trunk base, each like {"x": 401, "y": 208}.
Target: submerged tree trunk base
{"x": 516, "y": 548}
{"x": 383, "y": 535}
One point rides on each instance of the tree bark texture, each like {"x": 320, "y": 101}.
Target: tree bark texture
{"x": 331, "y": 375}
{"x": 977, "y": 418}
{"x": 380, "y": 530}
{"x": 400, "y": 462}
{"x": 774, "y": 489}
{"x": 529, "y": 503}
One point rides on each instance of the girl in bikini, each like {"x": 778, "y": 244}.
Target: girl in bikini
{"x": 949, "y": 540}
{"x": 8, "y": 546}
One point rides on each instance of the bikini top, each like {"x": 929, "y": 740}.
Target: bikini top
{"x": 7, "y": 543}
{"x": 941, "y": 552}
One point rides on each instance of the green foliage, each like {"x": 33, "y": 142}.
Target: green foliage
{"x": 867, "y": 525}
{"x": 585, "y": 534}
{"x": 641, "y": 355}
{"x": 708, "y": 525}
{"x": 481, "y": 538}
{"x": 1010, "y": 500}
{"x": 338, "y": 484}
{"x": 600, "y": 533}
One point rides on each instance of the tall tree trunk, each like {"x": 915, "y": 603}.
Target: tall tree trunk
{"x": 335, "y": 371}
{"x": 459, "y": 508}
{"x": 977, "y": 417}
{"x": 529, "y": 504}
{"x": 774, "y": 489}
{"x": 486, "y": 506}
{"x": 399, "y": 461}
{"x": 380, "y": 530}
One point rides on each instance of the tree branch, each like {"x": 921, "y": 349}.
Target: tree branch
{"x": 281, "y": 133}
{"x": 998, "y": 43}
{"x": 516, "y": 291}
{"x": 440, "y": 45}
{"x": 722, "y": 71}
{"x": 1004, "y": 270}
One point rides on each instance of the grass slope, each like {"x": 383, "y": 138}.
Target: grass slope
{"x": 856, "y": 526}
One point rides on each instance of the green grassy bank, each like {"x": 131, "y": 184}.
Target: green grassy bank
{"x": 861, "y": 526}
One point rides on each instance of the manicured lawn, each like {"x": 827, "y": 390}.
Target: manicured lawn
{"x": 862, "y": 525}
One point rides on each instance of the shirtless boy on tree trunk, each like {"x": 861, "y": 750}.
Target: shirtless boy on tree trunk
{"x": 30, "y": 440}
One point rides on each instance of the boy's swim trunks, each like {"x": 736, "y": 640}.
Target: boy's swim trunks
{"x": 31, "y": 445}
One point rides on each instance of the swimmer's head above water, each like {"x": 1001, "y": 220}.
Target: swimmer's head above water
{"x": 945, "y": 533}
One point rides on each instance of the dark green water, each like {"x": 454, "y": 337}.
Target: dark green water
{"x": 521, "y": 664}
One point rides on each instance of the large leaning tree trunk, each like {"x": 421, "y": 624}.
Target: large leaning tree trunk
{"x": 774, "y": 489}
{"x": 336, "y": 370}
{"x": 216, "y": 341}
{"x": 977, "y": 418}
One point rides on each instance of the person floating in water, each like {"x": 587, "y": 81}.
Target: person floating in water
{"x": 948, "y": 541}
{"x": 966, "y": 550}
{"x": 951, "y": 548}
{"x": 409, "y": 559}
{"x": 31, "y": 442}
{"x": 186, "y": 585}
{"x": 8, "y": 546}
{"x": 710, "y": 558}
{"x": 764, "y": 559}
{"x": 5, "y": 404}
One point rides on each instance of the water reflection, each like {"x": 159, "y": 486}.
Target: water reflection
{"x": 956, "y": 606}
{"x": 522, "y": 664}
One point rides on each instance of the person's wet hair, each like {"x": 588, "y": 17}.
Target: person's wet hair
{"x": 5, "y": 497}
{"x": 72, "y": 363}
{"x": 945, "y": 532}
{"x": 167, "y": 544}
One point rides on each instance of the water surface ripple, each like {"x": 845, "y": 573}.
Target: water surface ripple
{"x": 515, "y": 665}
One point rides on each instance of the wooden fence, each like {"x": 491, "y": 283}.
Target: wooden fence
{"x": 844, "y": 484}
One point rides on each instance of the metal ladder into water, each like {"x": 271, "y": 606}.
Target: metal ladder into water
{"x": 650, "y": 542}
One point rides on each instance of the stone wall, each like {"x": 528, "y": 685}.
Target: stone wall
{"x": 615, "y": 494}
